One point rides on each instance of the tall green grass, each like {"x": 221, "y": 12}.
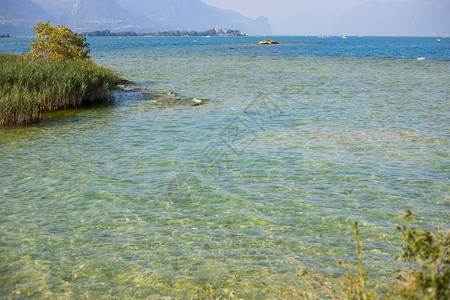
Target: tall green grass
{"x": 30, "y": 88}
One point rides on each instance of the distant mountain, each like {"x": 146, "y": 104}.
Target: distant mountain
{"x": 408, "y": 18}
{"x": 17, "y": 16}
{"x": 56, "y": 8}
{"x": 195, "y": 15}
{"x": 88, "y": 15}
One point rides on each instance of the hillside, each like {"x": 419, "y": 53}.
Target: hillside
{"x": 17, "y": 16}
{"x": 103, "y": 14}
{"x": 195, "y": 15}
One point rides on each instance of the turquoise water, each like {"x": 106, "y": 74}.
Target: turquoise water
{"x": 142, "y": 199}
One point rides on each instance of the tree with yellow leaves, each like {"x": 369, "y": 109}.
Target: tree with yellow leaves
{"x": 57, "y": 42}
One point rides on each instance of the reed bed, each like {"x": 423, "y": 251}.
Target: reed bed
{"x": 30, "y": 88}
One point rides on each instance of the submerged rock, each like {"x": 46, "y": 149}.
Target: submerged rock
{"x": 196, "y": 102}
{"x": 169, "y": 98}
{"x": 126, "y": 87}
{"x": 172, "y": 99}
{"x": 268, "y": 42}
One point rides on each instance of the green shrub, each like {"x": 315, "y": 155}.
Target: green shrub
{"x": 57, "y": 42}
{"x": 429, "y": 255}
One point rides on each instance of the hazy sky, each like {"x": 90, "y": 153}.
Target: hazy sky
{"x": 293, "y": 17}
{"x": 280, "y": 9}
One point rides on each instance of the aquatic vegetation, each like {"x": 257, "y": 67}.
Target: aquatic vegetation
{"x": 29, "y": 88}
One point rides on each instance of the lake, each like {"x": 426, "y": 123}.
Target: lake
{"x": 141, "y": 198}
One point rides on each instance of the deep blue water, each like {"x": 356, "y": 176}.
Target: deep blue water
{"x": 389, "y": 47}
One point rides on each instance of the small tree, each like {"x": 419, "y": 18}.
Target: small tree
{"x": 57, "y": 42}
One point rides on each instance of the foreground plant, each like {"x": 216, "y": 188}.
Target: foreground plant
{"x": 352, "y": 284}
{"x": 355, "y": 286}
{"x": 429, "y": 255}
{"x": 427, "y": 278}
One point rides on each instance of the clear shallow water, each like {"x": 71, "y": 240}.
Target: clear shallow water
{"x": 140, "y": 199}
